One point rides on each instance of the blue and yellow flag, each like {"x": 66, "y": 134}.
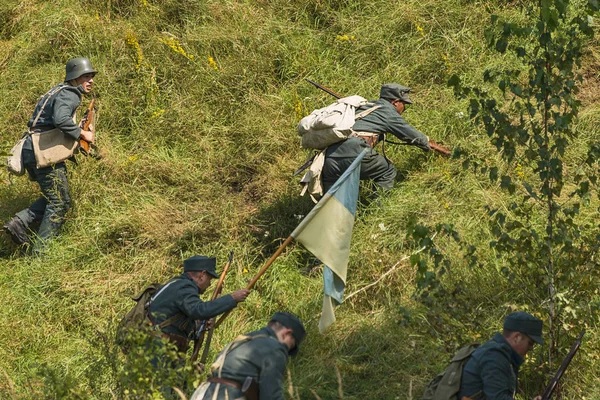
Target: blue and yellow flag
{"x": 326, "y": 232}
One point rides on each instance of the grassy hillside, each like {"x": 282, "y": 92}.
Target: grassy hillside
{"x": 198, "y": 102}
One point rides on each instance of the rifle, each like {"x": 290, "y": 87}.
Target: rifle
{"x": 200, "y": 333}
{"x": 86, "y": 148}
{"x": 561, "y": 370}
{"x": 435, "y": 146}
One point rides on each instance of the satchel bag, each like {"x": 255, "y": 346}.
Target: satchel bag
{"x": 52, "y": 147}
{"x": 14, "y": 162}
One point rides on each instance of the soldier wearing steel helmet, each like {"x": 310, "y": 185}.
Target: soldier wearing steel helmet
{"x": 55, "y": 110}
{"x": 252, "y": 366}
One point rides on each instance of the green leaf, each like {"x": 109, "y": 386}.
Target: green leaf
{"x": 501, "y": 45}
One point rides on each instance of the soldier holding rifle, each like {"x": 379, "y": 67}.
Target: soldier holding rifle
{"x": 179, "y": 301}
{"x": 493, "y": 369}
{"x": 387, "y": 118}
{"x": 51, "y": 139}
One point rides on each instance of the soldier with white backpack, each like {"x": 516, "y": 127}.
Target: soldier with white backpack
{"x": 372, "y": 121}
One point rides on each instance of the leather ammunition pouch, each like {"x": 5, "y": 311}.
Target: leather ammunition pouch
{"x": 371, "y": 138}
{"x": 179, "y": 341}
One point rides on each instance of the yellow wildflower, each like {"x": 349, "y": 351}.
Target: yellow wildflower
{"x": 132, "y": 41}
{"x": 158, "y": 113}
{"x": 519, "y": 171}
{"x": 298, "y": 110}
{"x": 420, "y": 30}
{"x": 174, "y": 44}
{"x": 133, "y": 158}
{"x": 213, "y": 63}
{"x": 345, "y": 38}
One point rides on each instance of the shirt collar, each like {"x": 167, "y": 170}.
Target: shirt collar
{"x": 515, "y": 357}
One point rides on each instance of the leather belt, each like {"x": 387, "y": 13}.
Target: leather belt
{"x": 371, "y": 138}
{"x": 227, "y": 382}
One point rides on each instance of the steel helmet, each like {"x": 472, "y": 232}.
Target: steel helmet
{"x": 77, "y": 67}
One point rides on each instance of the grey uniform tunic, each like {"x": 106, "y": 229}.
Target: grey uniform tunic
{"x": 182, "y": 296}
{"x": 374, "y": 166}
{"x": 493, "y": 370}
{"x": 263, "y": 358}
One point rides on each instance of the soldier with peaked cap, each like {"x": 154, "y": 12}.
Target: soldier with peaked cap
{"x": 368, "y": 131}
{"x": 179, "y": 301}
{"x": 493, "y": 370}
{"x": 53, "y": 114}
{"x": 252, "y": 366}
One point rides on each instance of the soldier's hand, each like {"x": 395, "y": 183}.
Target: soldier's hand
{"x": 209, "y": 324}
{"x": 88, "y": 136}
{"x": 240, "y": 295}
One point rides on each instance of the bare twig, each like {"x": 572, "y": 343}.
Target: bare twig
{"x": 180, "y": 393}
{"x": 339, "y": 378}
{"x": 290, "y": 384}
{"x": 315, "y": 394}
{"x": 11, "y": 385}
{"x": 387, "y": 272}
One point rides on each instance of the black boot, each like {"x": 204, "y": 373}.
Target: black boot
{"x": 17, "y": 230}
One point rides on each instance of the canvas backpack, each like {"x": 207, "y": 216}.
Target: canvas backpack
{"x": 446, "y": 385}
{"x": 332, "y": 124}
{"x": 138, "y": 316}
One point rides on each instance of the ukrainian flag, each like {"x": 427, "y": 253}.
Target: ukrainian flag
{"x": 326, "y": 232}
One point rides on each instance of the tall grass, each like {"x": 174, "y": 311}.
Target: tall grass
{"x": 198, "y": 103}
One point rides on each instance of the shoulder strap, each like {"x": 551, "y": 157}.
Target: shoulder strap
{"x": 161, "y": 290}
{"x": 366, "y": 112}
{"x": 237, "y": 342}
{"x": 168, "y": 321}
{"x": 48, "y": 95}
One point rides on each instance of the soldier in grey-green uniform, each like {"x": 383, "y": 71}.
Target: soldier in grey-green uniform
{"x": 178, "y": 301}
{"x": 492, "y": 371}
{"x": 385, "y": 119}
{"x": 55, "y": 109}
{"x": 252, "y": 366}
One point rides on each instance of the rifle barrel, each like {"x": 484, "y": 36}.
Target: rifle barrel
{"x": 216, "y": 293}
{"x": 563, "y": 367}
{"x": 323, "y": 88}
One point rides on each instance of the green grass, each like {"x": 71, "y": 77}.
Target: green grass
{"x": 198, "y": 159}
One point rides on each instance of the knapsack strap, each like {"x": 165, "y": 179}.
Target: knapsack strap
{"x": 237, "y": 342}
{"x": 366, "y": 112}
{"x": 49, "y": 95}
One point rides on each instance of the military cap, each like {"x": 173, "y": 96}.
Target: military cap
{"x": 292, "y": 322}
{"x": 393, "y": 91}
{"x": 201, "y": 263}
{"x": 525, "y": 323}
{"x": 78, "y": 66}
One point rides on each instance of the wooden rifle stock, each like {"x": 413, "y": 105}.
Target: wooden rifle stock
{"x": 88, "y": 119}
{"x": 216, "y": 293}
{"x": 563, "y": 367}
{"x": 434, "y": 146}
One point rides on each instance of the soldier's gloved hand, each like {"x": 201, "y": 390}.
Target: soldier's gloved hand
{"x": 240, "y": 295}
